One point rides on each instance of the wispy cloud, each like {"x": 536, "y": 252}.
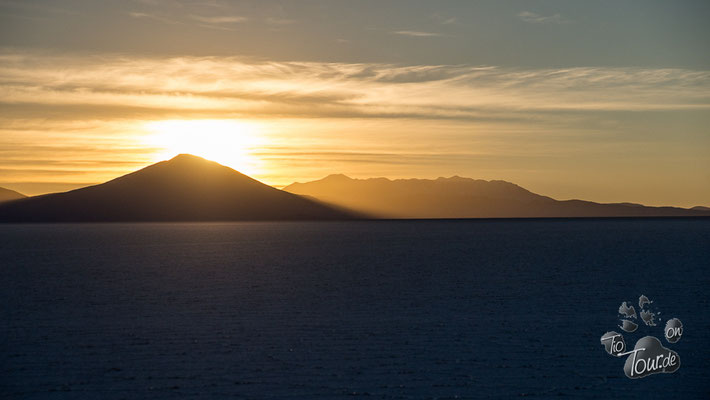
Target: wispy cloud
{"x": 535, "y": 18}
{"x": 444, "y": 20}
{"x": 136, "y": 14}
{"x": 115, "y": 86}
{"x": 225, "y": 19}
{"x": 209, "y": 22}
{"x": 154, "y": 17}
{"x": 218, "y": 22}
{"x": 416, "y": 33}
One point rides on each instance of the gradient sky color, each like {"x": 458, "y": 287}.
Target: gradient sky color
{"x": 606, "y": 101}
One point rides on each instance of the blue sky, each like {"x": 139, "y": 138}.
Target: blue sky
{"x": 503, "y": 33}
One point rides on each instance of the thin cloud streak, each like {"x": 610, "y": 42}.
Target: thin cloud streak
{"x": 444, "y": 20}
{"x": 142, "y": 15}
{"x": 535, "y": 18}
{"x": 216, "y": 23}
{"x": 417, "y": 33}
{"x": 219, "y": 20}
{"x": 299, "y": 89}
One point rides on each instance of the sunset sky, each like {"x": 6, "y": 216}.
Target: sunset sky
{"x": 601, "y": 100}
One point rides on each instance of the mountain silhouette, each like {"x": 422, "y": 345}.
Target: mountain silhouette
{"x": 458, "y": 197}
{"x": 185, "y": 188}
{"x": 7, "y": 195}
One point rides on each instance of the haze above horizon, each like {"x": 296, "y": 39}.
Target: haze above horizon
{"x": 603, "y": 101}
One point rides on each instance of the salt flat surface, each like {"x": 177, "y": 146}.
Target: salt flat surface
{"x": 380, "y": 309}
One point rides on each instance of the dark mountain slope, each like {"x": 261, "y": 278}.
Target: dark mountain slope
{"x": 185, "y": 188}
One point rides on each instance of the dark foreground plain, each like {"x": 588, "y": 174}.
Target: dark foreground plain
{"x": 359, "y": 309}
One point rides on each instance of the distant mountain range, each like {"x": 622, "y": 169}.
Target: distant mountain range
{"x": 185, "y": 188}
{"x": 7, "y": 195}
{"x": 458, "y": 197}
{"x": 190, "y": 188}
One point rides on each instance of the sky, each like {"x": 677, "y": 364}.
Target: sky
{"x": 606, "y": 101}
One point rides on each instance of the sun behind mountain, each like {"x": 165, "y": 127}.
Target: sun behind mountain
{"x": 185, "y": 188}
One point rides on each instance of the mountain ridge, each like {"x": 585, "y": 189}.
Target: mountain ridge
{"x": 190, "y": 188}
{"x": 460, "y": 197}
{"x": 9, "y": 195}
{"x": 184, "y": 188}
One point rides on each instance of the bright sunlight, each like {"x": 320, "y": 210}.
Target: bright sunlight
{"x": 227, "y": 142}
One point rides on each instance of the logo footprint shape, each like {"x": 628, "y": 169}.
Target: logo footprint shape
{"x": 648, "y": 356}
